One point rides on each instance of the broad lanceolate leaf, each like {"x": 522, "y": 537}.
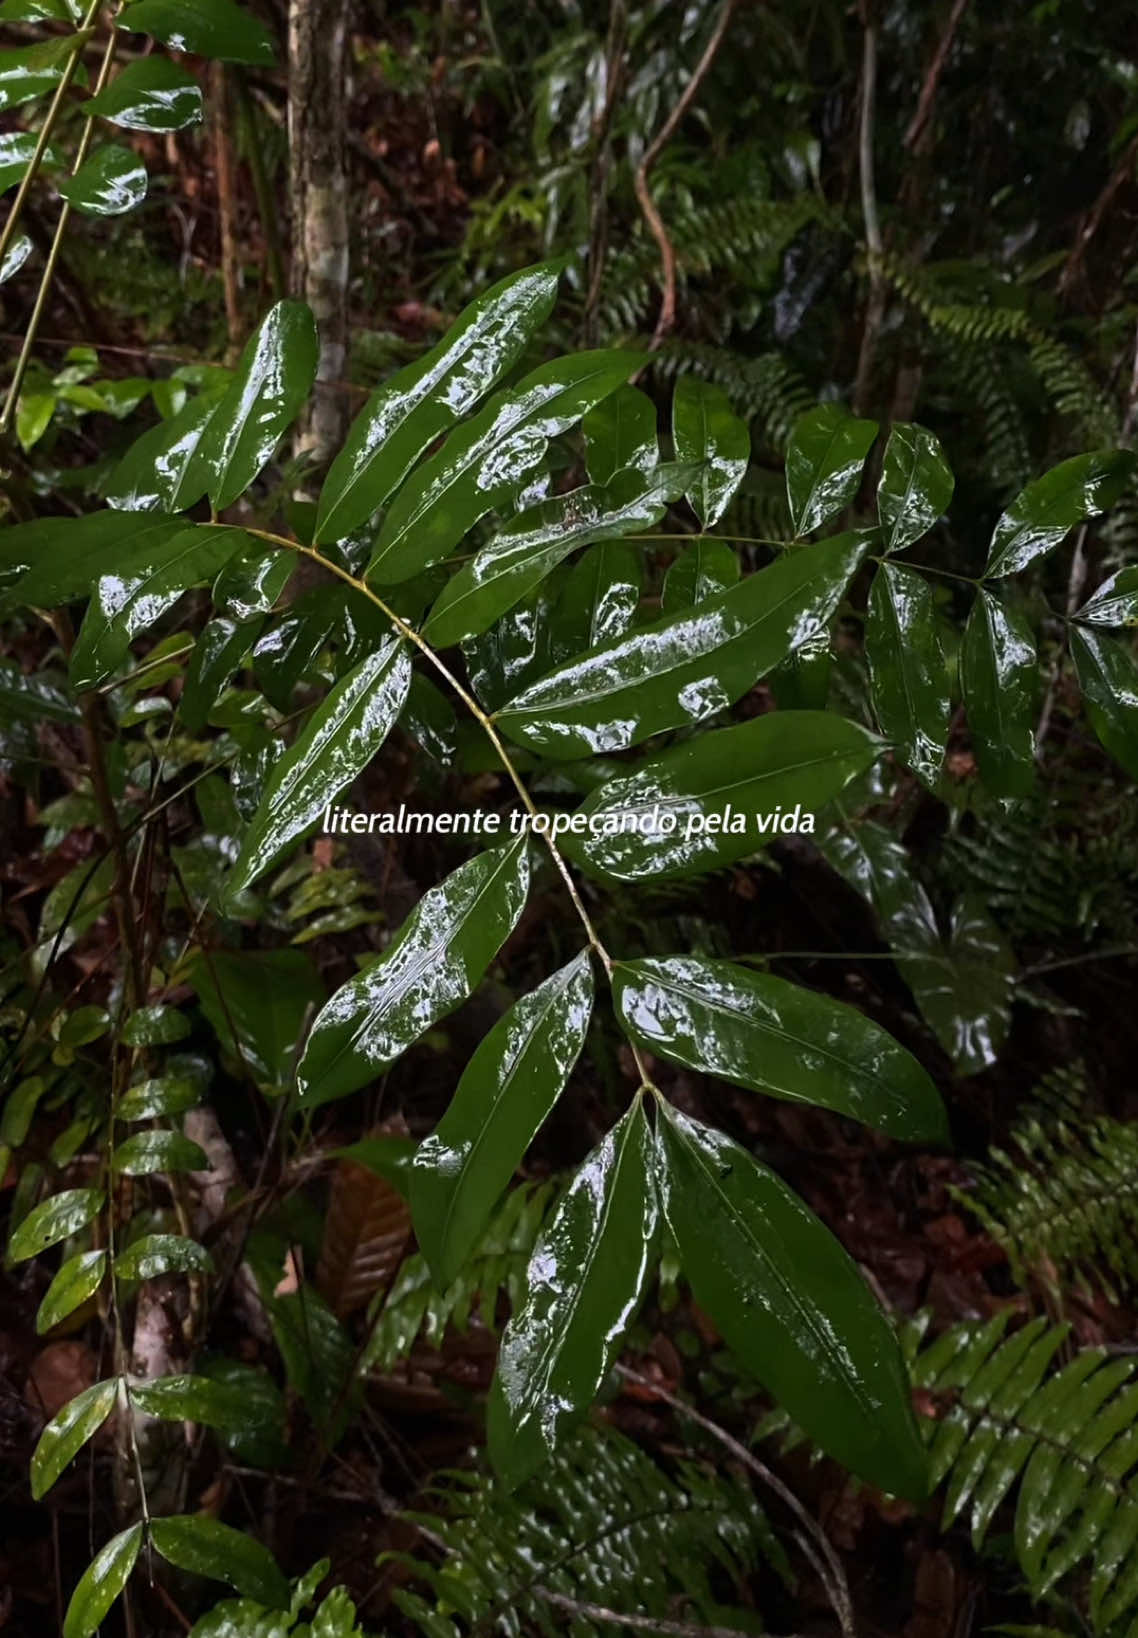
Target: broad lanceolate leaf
{"x": 145, "y": 1152}
{"x": 485, "y": 462}
{"x": 131, "y": 597}
{"x": 53, "y": 1220}
{"x": 408, "y": 412}
{"x": 707, "y": 430}
{"x": 687, "y": 665}
{"x": 1038, "y": 519}
{"x": 532, "y": 544}
{"x": 436, "y": 959}
{"x": 78, "y": 1279}
{"x": 156, "y": 1254}
{"x": 790, "y": 1303}
{"x": 720, "y": 796}
{"x": 60, "y": 558}
{"x": 221, "y": 646}
{"x": 824, "y": 459}
{"x": 152, "y": 94}
{"x": 506, "y": 1091}
{"x": 1115, "y": 603}
{"x": 340, "y": 739}
{"x": 152, "y": 475}
{"x": 906, "y": 667}
{"x": 620, "y": 433}
{"x": 776, "y": 1037}
{"x": 599, "y": 599}
{"x": 999, "y": 674}
{"x": 1108, "y": 677}
{"x": 273, "y": 378}
{"x": 68, "y": 1431}
{"x": 101, "y": 1583}
{"x": 191, "y": 1399}
{"x": 584, "y": 1284}
{"x": 212, "y": 28}
{"x": 110, "y": 183}
{"x": 699, "y": 572}
{"x": 204, "y": 1546}
{"x": 915, "y": 488}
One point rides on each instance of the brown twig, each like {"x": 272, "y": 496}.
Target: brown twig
{"x": 1094, "y": 217}
{"x": 920, "y": 125}
{"x": 581, "y": 1608}
{"x": 648, "y": 207}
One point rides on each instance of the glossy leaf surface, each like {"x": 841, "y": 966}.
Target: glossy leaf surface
{"x": 101, "y": 1583}
{"x": 599, "y": 598}
{"x": 1108, "y": 676}
{"x": 687, "y": 665}
{"x": 77, "y": 1280}
{"x": 790, "y": 1303}
{"x": 906, "y": 666}
{"x": 620, "y": 434}
{"x": 221, "y": 646}
{"x": 719, "y": 797}
{"x": 110, "y": 183}
{"x": 518, "y": 648}
{"x": 212, "y": 28}
{"x": 436, "y": 959}
{"x": 339, "y": 740}
{"x": 1039, "y": 518}
{"x": 270, "y": 385}
{"x": 68, "y": 1431}
{"x": 763, "y": 1033}
{"x": 163, "y": 1095}
{"x": 915, "y": 488}
{"x": 699, "y": 572}
{"x": 145, "y": 1152}
{"x": 824, "y": 460}
{"x": 484, "y": 462}
{"x": 154, "y": 1254}
{"x": 205, "y": 1546}
{"x": 585, "y": 1281}
{"x": 30, "y": 71}
{"x": 152, "y": 474}
{"x": 187, "y": 1398}
{"x": 408, "y": 412}
{"x": 152, "y": 94}
{"x": 507, "y": 1089}
{"x": 707, "y": 431}
{"x": 1115, "y": 603}
{"x": 54, "y": 1219}
{"x": 999, "y": 674}
{"x": 964, "y": 985}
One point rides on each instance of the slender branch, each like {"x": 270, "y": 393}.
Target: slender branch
{"x": 226, "y": 210}
{"x": 615, "y": 68}
{"x": 582, "y": 1609}
{"x": 648, "y": 206}
{"x": 921, "y": 122}
{"x": 875, "y": 308}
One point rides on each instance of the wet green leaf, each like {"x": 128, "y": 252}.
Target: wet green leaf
{"x": 706, "y": 430}
{"x": 599, "y": 598}
{"x": 506, "y": 1091}
{"x": 204, "y": 1546}
{"x": 585, "y": 1281}
{"x": 999, "y": 675}
{"x": 30, "y": 71}
{"x": 688, "y": 665}
{"x": 212, "y": 28}
{"x": 54, "y": 1219}
{"x": 33, "y": 417}
{"x": 1040, "y": 517}
{"x": 259, "y": 1003}
{"x": 720, "y": 796}
{"x": 145, "y": 1152}
{"x": 964, "y": 985}
{"x": 189, "y": 1398}
{"x": 1115, "y": 603}
{"x": 60, "y": 558}
{"x": 15, "y": 256}
{"x": 429, "y": 718}
{"x": 824, "y": 460}
{"x": 101, "y": 1583}
{"x": 252, "y": 581}
{"x": 155, "y": 1254}
{"x": 771, "y": 1036}
{"x": 1108, "y": 676}
{"x": 155, "y": 1026}
{"x": 68, "y": 1431}
{"x": 33, "y": 697}
{"x": 110, "y": 183}
{"x": 340, "y": 739}
{"x": 701, "y": 570}
{"x": 273, "y": 378}
{"x": 906, "y": 667}
{"x": 790, "y": 1303}
{"x": 221, "y": 646}
{"x": 915, "y": 488}
{"x": 152, "y": 94}
{"x": 78, "y": 1278}
{"x": 434, "y": 962}
{"x": 620, "y": 433}
{"x": 518, "y": 648}
{"x": 16, "y": 149}
{"x": 152, "y": 474}
{"x": 165, "y": 1095}
{"x": 485, "y": 462}
{"x": 409, "y": 412}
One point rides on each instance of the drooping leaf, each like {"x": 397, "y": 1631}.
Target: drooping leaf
{"x": 484, "y": 462}
{"x": 154, "y": 1254}
{"x": 68, "y": 1431}
{"x": 187, "y": 1398}
{"x": 963, "y": 985}
{"x": 906, "y": 666}
{"x": 408, "y": 412}
{"x": 33, "y": 417}
{"x": 204, "y": 1546}
{"x": 684, "y": 667}
{"x": 518, "y": 648}
{"x": 273, "y": 378}
{"x": 429, "y": 718}
{"x": 58, "y": 559}
{"x": 33, "y": 696}
{"x": 824, "y": 460}
{"x": 1040, "y": 517}
{"x": 720, "y": 796}
{"x": 438, "y": 956}
{"x": 599, "y": 598}
{"x": 771, "y": 1036}
{"x": 152, "y": 94}
{"x": 212, "y": 28}
{"x": 701, "y": 570}
{"x": 790, "y": 1303}
{"x": 915, "y": 488}
{"x": 340, "y": 739}
{"x": 110, "y": 183}
{"x": 707, "y": 431}
{"x": 1108, "y": 676}
{"x": 145, "y": 1152}
{"x": 101, "y": 1583}
{"x": 584, "y": 1284}
{"x": 1115, "y": 603}
{"x": 152, "y": 474}
{"x": 259, "y": 1002}
{"x": 54, "y": 1219}
{"x": 506, "y": 1091}
{"x": 999, "y": 675}
{"x": 221, "y": 646}
{"x": 252, "y": 581}
{"x": 30, "y": 71}
{"x": 620, "y": 433}
{"x": 77, "y": 1280}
